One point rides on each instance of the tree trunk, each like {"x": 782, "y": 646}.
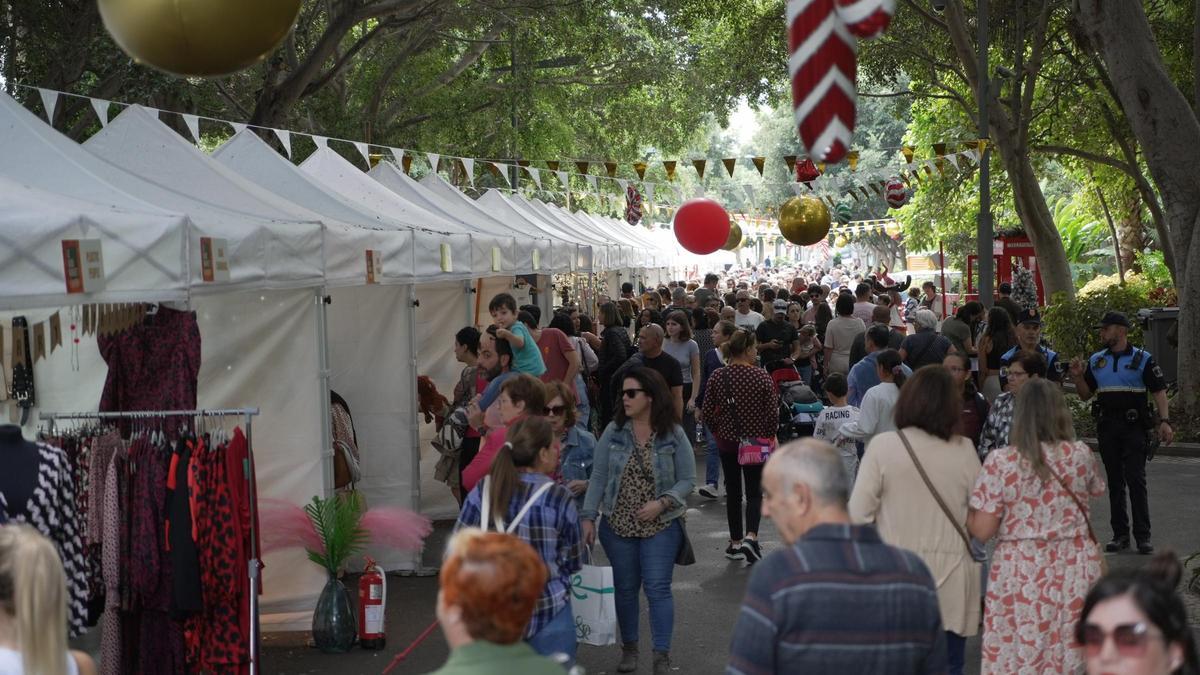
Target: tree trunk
{"x": 1167, "y": 129}
{"x": 1131, "y": 229}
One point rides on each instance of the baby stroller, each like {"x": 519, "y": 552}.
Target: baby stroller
{"x": 799, "y": 407}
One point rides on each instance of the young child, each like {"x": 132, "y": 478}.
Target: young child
{"x": 833, "y": 416}
{"x": 527, "y": 358}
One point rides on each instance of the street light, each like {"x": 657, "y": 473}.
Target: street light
{"x": 983, "y": 248}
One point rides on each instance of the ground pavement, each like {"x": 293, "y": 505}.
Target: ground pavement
{"x": 707, "y": 594}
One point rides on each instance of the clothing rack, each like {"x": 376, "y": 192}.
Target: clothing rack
{"x": 248, "y": 414}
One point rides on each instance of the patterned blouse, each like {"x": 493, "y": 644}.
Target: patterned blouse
{"x": 998, "y": 425}
{"x": 637, "y": 488}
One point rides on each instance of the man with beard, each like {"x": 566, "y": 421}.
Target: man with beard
{"x": 1029, "y": 339}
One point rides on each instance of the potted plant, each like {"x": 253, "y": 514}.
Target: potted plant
{"x": 337, "y": 522}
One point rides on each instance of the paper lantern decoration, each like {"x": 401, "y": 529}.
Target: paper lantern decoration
{"x": 804, "y": 221}
{"x": 735, "y": 237}
{"x": 807, "y": 171}
{"x": 199, "y": 38}
{"x": 866, "y": 19}
{"x": 842, "y": 212}
{"x": 633, "y": 205}
{"x": 896, "y": 193}
{"x": 701, "y": 226}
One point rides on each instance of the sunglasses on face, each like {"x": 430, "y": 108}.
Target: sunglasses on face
{"x": 631, "y": 393}
{"x": 1130, "y": 639}
{"x": 554, "y": 410}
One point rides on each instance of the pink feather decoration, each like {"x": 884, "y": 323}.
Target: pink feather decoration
{"x": 285, "y": 525}
{"x": 395, "y": 528}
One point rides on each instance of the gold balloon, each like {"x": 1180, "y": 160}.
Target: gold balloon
{"x": 892, "y": 229}
{"x": 199, "y": 38}
{"x": 804, "y": 221}
{"x": 735, "y": 237}
{"x": 840, "y": 241}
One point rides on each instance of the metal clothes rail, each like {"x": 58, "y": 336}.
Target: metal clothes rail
{"x": 247, "y": 413}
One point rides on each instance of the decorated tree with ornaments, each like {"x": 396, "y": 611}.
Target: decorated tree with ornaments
{"x": 1024, "y": 288}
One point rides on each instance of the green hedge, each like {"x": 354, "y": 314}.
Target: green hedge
{"x": 1070, "y": 324}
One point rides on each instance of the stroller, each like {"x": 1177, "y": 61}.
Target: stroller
{"x": 799, "y": 407}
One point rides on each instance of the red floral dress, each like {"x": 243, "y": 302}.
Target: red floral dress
{"x": 1045, "y": 562}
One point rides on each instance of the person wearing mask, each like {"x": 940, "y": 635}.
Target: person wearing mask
{"x": 643, "y": 471}
{"x": 520, "y": 396}
{"x": 875, "y": 411}
{"x": 680, "y": 346}
{"x": 837, "y": 599}
{"x": 1006, "y": 302}
{"x": 925, "y": 347}
{"x": 713, "y": 359}
{"x": 1029, "y": 339}
{"x": 614, "y": 349}
{"x": 741, "y": 403}
{"x": 33, "y": 607}
{"x": 879, "y": 317}
{"x": 974, "y": 410}
{"x": 864, "y": 304}
{"x": 1134, "y": 621}
{"x": 519, "y": 497}
{"x": 576, "y": 444}
{"x": 489, "y": 585}
{"x": 913, "y": 485}
{"x": 840, "y": 334}
{"x": 960, "y": 328}
{"x": 998, "y": 337}
{"x": 1033, "y": 497}
{"x": 1026, "y": 367}
{"x": 1120, "y": 376}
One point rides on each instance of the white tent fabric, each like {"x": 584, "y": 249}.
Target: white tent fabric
{"x": 579, "y": 257}
{"x": 599, "y": 245}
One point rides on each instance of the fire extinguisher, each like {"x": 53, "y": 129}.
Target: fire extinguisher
{"x": 372, "y": 601}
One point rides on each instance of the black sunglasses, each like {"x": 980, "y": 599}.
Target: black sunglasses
{"x": 554, "y": 410}
{"x": 631, "y": 393}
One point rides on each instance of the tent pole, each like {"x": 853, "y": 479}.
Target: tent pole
{"x": 413, "y": 412}
{"x": 326, "y": 408}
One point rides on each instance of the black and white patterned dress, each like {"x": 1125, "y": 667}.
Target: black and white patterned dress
{"x": 52, "y": 511}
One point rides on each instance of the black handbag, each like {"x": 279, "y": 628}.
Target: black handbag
{"x": 686, "y": 556}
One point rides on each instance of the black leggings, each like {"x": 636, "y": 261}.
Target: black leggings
{"x": 734, "y": 474}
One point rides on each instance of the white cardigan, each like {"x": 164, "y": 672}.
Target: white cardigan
{"x": 876, "y": 413}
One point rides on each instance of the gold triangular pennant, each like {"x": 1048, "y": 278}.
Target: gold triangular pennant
{"x": 406, "y": 163}
{"x": 640, "y": 168}
{"x": 582, "y": 166}
{"x": 791, "y": 163}
{"x": 700, "y": 164}
{"x": 730, "y": 163}
{"x": 55, "y": 331}
{"x": 758, "y": 164}
{"x": 852, "y": 159}
{"x": 553, "y": 166}
{"x": 611, "y": 169}
{"x": 907, "y": 151}
{"x": 670, "y": 167}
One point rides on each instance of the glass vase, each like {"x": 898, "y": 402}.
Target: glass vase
{"x": 334, "y": 626}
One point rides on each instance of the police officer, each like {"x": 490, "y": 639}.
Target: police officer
{"x": 1120, "y": 375}
{"x": 1029, "y": 339}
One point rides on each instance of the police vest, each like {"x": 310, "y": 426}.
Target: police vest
{"x": 1049, "y": 354}
{"x": 1120, "y": 372}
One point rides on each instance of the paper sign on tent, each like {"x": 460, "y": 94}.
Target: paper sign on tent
{"x": 214, "y": 261}
{"x": 83, "y": 265}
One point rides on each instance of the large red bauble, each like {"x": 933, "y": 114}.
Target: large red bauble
{"x": 701, "y": 226}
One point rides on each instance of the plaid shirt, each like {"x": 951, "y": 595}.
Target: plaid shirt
{"x": 552, "y": 527}
{"x": 999, "y": 423}
{"x": 839, "y": 601}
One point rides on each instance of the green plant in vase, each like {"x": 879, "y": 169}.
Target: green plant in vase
{"x": 338, "y": 524}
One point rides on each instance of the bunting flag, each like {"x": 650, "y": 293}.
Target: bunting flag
{"x": 940, "y": 162}
{"x": 522, "y": 163}
{"x": 592, "y": 181}
{"x": 321, "y": 142}
{"x": 611, "y": 169}
{"x": 192, "y": 122}
{"x": 562, "y": 177}
{"x": 582, "y": 166}
{"x": 640, "y": 168}
{"x": 49, "y": 102}
{"x": 798, "y": 188}
{"x": 433, "y": 161}
{"x": 55, "y": 331}
{"x": 649, "y": 187}
{"x": 406, "y": 164}
{"x": 285, "y": 139}
{"x": 852, "y": 160}
{"x": 907, "y": 151}
{"x": 535, "y": 175}
{"x": 364, "y": 150}
{"x": 238, "y": 127}
{"x": 759, "y": 162}
{"x": 624, "y": 185}
{"x": 700, "y": 164}
{"x": 498, "y": 171}
{"x": 866, "y": 195}
{"x": 750, "y": 193}
{"x": 468, "y": 166}
{"x": 670, "y": 167}
{"x": 730, "y": 165}
{"x": 398, "y": 157}
{"x": 953, "y": 159}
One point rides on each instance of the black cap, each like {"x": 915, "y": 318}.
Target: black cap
{"x": 1029, "y": 316}
{"x": 1113, "y": 319}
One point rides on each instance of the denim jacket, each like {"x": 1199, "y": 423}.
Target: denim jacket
{"x": 674, "y": 470}
{"x": 575, "y": 454}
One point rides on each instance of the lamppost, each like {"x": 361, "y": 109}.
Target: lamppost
{"x": 985, "y": 234}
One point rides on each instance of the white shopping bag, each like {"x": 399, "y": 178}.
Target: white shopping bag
{"x": 594, "y": 605}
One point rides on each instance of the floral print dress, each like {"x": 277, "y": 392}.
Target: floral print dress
{"x": 1045, "y": 561}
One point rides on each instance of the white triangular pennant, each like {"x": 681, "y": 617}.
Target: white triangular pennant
{"x": 624, "y": 185}
{"x": 700, "y": 191}
{"x": 321, "y": 142}
{"x": 433, "y": 160}
{"x": 469, "y": 168}
{"x": 49, "y": 102}
{"x": 972, "y": 155}
{"x": 101, "y": 108}
{"x": 536, "y": 175}
{"x": 750, "y": 193}
{"x": 398, "y": 155}
{"x": 592, "y": 181}
{"x": 363, "y": 150}
{"x": 649, "y": 190}
{"x": 192, "y": 122}
{"x": 238, "y": 127}
{"x": 798, "y": 188}
{"x": 953, "y": 160}
{"x": 503, "y": 171}
{"x": 285, "y": 139}
{"x": 562, "y": 178}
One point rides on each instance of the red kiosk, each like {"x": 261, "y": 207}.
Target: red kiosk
{"x": 1008, "y": 250}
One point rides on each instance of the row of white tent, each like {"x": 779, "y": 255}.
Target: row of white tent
{"x": 294, "y": 314}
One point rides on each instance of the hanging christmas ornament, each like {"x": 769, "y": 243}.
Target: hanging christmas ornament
{"x": 892, "y": 229}
{"x": 804, "y": 221}
{"x": 840, "y": 241}
{"x": 701, "y": 226}
{"x": 823, "y": 67}
{"x": 735, "y": 237}
{"x": 807, "y": 171}
{"x": 199, "y": 38}
{"x": 843, "y": 213}
{"x": 896, "y": 194}
{"x": 633, "y": 205}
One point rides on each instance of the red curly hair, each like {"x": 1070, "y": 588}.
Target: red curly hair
{"x": 496, "y": 580}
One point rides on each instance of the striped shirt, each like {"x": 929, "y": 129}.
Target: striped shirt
{"x": 839, "y": 601}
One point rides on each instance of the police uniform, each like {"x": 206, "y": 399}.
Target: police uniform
{"x": 1121, "y": 381}
{"x": 1053, "y": 372}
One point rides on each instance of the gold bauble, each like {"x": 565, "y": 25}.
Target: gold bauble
{"x": 804, "y": 221}
{"x": 199, "y": 38}
{"x": 735, "y": 237}
{"x": 892, "y": 229}
{"x": 840, "y": 241}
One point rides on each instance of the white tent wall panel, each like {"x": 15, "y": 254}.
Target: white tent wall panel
{"x": 346, "y": 256}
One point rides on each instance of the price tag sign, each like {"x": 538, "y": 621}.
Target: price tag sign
{"x": 537, "y": 259}
{"x": 83, "y": 265}
{"x": 446, "y": 263}
{"x": 374, "y": 266}
{"x": 214, "y": 259}
{"x": 497, "y": 259}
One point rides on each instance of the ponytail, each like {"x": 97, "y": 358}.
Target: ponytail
{"x": 889, "y": 360}
{"x": 33, "y": 593}
{"x": 524, "y": 440}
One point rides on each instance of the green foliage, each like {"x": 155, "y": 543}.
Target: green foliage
{"x": 1154, "y": 269}
{"x": 338, "y": 523}
{"x": 1070, "y": 325}
{"x": 1084, "y": 238}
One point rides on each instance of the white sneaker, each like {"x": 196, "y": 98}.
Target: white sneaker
{"x": 709, "y": 491}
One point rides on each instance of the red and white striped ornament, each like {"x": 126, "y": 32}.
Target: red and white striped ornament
{"x": 823, "y": 68}
{"x": 896, "y": 193}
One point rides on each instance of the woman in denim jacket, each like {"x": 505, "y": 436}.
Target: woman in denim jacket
{"x": 576, "y": 444}
{"x": 643, "y": 471}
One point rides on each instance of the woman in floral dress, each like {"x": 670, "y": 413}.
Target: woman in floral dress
{"x": 1046, "y": 558}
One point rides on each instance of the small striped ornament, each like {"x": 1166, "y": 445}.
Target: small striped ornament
{"x": 896, "y": 194}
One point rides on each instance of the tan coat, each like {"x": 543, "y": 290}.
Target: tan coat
{"x": 890, "y": 493}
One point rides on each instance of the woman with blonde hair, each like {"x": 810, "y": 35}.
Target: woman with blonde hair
{"x": 1033, "y": 497}
{"x": 33, "y": 608}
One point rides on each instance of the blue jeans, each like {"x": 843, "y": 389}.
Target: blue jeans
{"x": 712, "y": 459}
{"x": 644, "y": 563}
{"x": 557, "y": 637}
{"x": 806, "y": 374}
{"x": 956, "y": 653}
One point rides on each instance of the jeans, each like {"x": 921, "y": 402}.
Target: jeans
{"x": 806, "y": 374}
{"x": 644, "y": 563}
{"x": 712, "y": 458}
{"x": 734, "y": 475}
{"x": 956, "y": 656}
{"x": 557, "y": 637}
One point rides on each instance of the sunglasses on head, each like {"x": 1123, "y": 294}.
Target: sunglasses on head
{"x": 554, "y": 410}
{"x": 631, "y": 393}
{"x": 1130, "y": 638}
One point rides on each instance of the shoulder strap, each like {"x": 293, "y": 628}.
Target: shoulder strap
{"x": 486, "y": 507}
{"x": 933, "y": 491}
{"x": 537, "y": 494}
{"x": 1079, "y": 504}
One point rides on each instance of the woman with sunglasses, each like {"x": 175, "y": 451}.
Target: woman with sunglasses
{"x": 576, "y": 443}
{"x": 1033, "y": 497}
{"x": 1025, "y": 367}
{"x": 1133, "y": 622}
{"x": 642, "y": 472}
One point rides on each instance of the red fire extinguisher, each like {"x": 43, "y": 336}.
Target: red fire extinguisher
{"x": 372, "y": 601}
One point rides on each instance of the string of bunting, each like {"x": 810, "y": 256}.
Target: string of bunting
{"x": 46, "y": 336}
